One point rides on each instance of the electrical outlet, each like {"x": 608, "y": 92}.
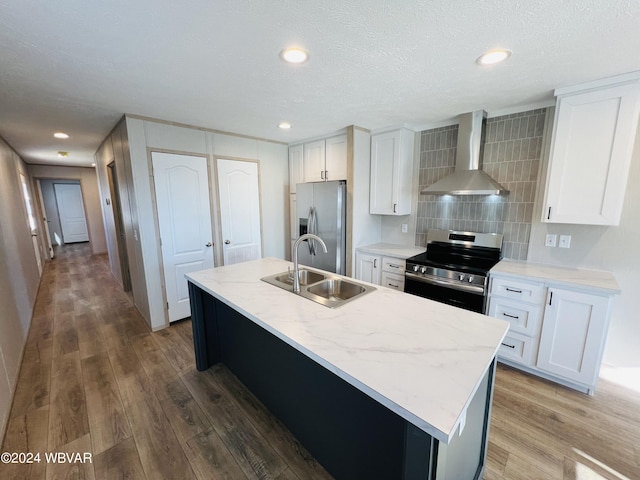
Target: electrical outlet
{"x": 551, "y": 240}
{"x": 565, "y": 241}
{"x": 405, "y": 228}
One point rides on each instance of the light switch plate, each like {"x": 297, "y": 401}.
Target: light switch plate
{"x": 565, "y": 241}
{"x": 550, "y": 240}
{"x": 405, "y": 227}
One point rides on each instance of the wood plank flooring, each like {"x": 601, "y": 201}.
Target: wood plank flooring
{"x": 95, "y": 379}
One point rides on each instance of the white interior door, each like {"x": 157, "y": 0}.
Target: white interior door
{"x": 239, "y": 210}
{"x": 184, "y": 217}
{"x": 71, "y": 210}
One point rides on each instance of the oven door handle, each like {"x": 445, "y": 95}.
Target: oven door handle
{"x": 477, "y": 289}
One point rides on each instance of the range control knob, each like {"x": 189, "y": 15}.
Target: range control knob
{"x": 416, "y": 268}
{"x": 423, "y": 269}
{"x": 461, "y": 276}
{"x": 470, "y": 279}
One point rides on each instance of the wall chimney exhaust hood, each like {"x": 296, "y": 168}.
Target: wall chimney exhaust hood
{"x": 468, "y": 179}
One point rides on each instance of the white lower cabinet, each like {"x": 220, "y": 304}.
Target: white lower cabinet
{"x": 368, "y": 267}
{"x": 383, "y": 271}
{"x": 518, "y": 348}
{"x": 557, "y": 333}
{"x": 573, "y": 335}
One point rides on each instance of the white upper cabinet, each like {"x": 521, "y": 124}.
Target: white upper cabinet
{"x": 336, "y": 158}
{"x": 314, "y": 161}
{"x": 391, "y": 167}
{"x": 594, "y": 131}
{"x": 325, "y": 159}
{"x": 296, "y": 167}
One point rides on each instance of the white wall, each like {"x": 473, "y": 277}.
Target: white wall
{"x": 19, "y": 276}
{"x": 146, "y": 135}
{"x": 90, "y": 193}
{"x": 365, "y": 228}
{"x": 605, "y": 248}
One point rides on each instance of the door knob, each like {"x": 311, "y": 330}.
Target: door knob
{"x": 208, "y": 244}
{"x": 227, "y": 242}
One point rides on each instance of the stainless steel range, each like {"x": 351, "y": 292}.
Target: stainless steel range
{"x": 455, "y": 268}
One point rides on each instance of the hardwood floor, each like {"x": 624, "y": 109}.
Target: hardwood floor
{"x": 95, "y": 379}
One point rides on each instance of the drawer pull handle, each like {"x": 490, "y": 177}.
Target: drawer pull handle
{"x": 507, "y": 345}
{"x": 510, "y": 316}
{"x": 393, "y": 265}
{"x": 513, "y": 290}
{"x": 392, "y": 285}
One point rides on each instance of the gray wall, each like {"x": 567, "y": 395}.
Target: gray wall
{"x": 512, "y": 155}
{"x": 19, "y": 276}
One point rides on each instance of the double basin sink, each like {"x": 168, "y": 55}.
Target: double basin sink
{"x": 325, "y": 289}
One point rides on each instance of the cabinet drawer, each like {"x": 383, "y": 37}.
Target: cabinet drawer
{"x": 393, "y": 265}
{"x": 522, "y": 290}
{"x": 392, "y": 280}
{"x": 518, "y": 348}
{"x": 523, "y": 317}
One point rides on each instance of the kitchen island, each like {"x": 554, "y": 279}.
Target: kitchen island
{"x": 388, "y": 385}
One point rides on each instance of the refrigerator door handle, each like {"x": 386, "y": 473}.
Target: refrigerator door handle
{"x": 312, "y": 226}
{"x": 310, "y": 229}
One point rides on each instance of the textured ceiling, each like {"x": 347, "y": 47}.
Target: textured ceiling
{"x": 78, "y": 65}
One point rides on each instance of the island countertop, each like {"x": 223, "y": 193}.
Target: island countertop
{"x": 421, "y": 359}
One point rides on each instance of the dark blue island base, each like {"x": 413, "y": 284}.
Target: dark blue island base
{"x": 349, "y": 433}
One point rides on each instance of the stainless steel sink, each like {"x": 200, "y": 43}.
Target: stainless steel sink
{"x": 307, "y": 277}
{"x": 335, "y": 290}
{"x": 328, "y": 290}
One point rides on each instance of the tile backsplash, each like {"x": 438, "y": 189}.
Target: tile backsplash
{"x": 512, "y": 151}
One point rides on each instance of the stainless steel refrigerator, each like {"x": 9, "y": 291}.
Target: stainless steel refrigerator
{"x": 322, "y": 210}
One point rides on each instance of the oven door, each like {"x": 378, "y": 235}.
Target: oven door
{"x": 469, "y": 297}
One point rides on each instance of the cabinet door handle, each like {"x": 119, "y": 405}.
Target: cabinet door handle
{"x": 375, "y": 263}
{"x": 549, "y": 214}
{"x": 510, "y": 316}
{"x": 321, "y": 174}
{"x": 507, "y": 345}
{"x": 326, "y": 174}
{"x": 550, "y": 297}
{"x": 394, "y": 207}
{"x": 512, "y": 290}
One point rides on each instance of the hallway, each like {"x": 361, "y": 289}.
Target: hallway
{"x": 95, "y": 379}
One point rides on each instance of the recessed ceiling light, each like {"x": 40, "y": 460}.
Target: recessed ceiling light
{"x": 63, "y": 154}
{"x": 294, "y": 55}
{"x": 60, "y": 135}
{"x": 284, "y": 125}
{"x": 493, "y": 56}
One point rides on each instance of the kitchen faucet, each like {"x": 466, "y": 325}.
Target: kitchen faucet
{"x": 294, "y": 255}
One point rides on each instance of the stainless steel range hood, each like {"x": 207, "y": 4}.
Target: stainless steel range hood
{"x": 468, "y": 179}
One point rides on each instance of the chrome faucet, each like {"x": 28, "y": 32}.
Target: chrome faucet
{"x": 294, "y": 255}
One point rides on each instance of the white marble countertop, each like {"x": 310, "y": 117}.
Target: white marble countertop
{"x": 392, "y": 250}
{"x": 422, "y": 359}
{"x": 596, "y": 280}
